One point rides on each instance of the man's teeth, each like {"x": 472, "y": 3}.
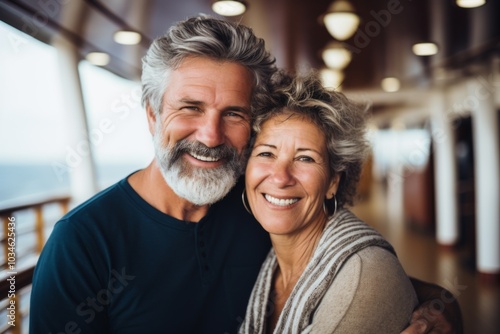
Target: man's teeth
{"x": 280, "y": 202}
{"x": 202, "y": 158}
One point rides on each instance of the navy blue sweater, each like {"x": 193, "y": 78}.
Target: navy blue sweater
{"x": 115, "y": 264}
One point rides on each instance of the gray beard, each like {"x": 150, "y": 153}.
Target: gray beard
{"x": 200, "y": 186}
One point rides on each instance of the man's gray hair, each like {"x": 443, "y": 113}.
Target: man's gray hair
{"x": 210, "y": 37}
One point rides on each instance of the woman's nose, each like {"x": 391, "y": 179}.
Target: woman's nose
{"x": 282, "y": 174}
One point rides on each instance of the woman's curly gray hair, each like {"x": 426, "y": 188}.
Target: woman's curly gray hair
{"x": 342, "y": 121}
{"x": 210, "y": 37}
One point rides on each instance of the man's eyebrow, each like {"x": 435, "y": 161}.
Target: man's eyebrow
{"x": 238, "y": 108}
{"x": 191, "y": 101}
{"x": 201, "y": 103}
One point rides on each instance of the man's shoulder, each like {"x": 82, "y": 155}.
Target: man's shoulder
{"x": 101, "y": 216}
{"x": 110, "y": 200}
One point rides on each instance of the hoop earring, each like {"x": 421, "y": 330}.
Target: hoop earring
{"x": 245, "y": 202}
{"x": 335, "y": 199}
{"x": 335, "y": 206}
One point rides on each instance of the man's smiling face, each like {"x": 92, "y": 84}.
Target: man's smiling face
{"x": 203, "y": 128}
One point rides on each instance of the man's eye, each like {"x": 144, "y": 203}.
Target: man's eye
{"x": 237, "y": 114}
{"x": 194, "y": 108}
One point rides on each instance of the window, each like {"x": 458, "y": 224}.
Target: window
{"x": 33, "y": 126}
{"x": 118, "y": 129}
{"x": 32, "y": 130}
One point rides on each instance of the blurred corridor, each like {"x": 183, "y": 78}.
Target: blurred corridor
{"x": 424, "y": 259}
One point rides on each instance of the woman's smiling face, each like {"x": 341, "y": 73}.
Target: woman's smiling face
{"x": 287, "y": 176}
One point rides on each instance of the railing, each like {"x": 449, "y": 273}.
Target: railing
{"x": 18, "y": 260}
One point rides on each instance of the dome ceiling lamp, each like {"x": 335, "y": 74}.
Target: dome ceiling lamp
{"x": 127, "y": 37}
{"x": 341, "y": 20}
{"x": 331, "y": 79}
{"x": 336, "y": 56}
{"x": 425, "y": 49}
{"x": 390, "y": 84}
{"x": 229, "y": 7}
{"x": 98, "y": 58}
{"x": 470, "y": 3}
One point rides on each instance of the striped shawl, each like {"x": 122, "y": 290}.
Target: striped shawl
{"x": 343, "y": 236}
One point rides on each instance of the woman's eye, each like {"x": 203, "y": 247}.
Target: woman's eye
{"x": 305, "y": 159}
{"x": 264, "y": 154}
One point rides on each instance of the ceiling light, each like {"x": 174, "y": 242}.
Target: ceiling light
{"x": 390, "y": 84}
{"x": 470, "y": 3}
{"x": 425, "y": 49}
{"x": 331, "y": 79}
{"x": 98, "y": 58}
{"x": 341, "y": 20}
{"x": 127, "y": 37}
{"x": 336, "y": 56}
{"x": 229, "y": 7}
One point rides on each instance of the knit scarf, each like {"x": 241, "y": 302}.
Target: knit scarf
{"x": 343, "y": 236}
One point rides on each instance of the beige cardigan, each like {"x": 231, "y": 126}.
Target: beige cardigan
{"x": 371, "y": 294}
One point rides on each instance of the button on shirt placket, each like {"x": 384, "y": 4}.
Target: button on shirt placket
{"x": 202, "y": 253}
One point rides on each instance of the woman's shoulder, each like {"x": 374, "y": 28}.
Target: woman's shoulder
{"x": 378, "y": 266}
{"x": 371, "y": 293}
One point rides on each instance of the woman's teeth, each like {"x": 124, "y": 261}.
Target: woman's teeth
{"x": 280, "y": 202}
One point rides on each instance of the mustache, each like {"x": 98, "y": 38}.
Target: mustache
{"x": 194, "y": 147}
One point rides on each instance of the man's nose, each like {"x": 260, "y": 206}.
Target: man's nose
{"x": 210, "y": 131}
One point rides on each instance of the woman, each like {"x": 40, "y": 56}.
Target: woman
{"x": 328, "y": 271}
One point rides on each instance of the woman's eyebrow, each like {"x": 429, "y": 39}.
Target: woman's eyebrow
{"x": 264, "y": 144}
{"x": 300, "y": 149}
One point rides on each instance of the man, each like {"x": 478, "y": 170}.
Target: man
{"x": 170, "y": 248}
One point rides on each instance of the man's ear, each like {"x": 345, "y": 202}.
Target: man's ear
{"x": 151, "y": 116}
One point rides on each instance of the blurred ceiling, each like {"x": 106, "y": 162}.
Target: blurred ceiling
{"x": 292, "y": 29}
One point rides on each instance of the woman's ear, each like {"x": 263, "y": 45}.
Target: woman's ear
{"x": 333, "y": 187}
